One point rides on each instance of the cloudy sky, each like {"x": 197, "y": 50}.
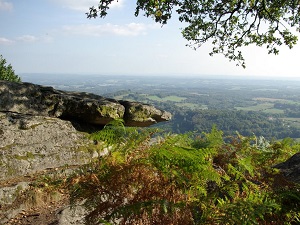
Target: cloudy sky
{"x": 54, "y": 36}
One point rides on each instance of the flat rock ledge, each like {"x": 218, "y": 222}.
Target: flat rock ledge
{"x": 37, "y": 100}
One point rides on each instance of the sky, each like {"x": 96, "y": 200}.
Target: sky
{"x": 55, "y": 37}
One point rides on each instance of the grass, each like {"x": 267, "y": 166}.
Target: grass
{"x": 263, "y": 107}
{"x": 274, "y": 111}
{"x": 172, "y": 98}
{"x": 279, "y": 100}
{"x": 258, "y": 107}
{"x": 154, "y": 98}
{"x": 293, "y": 121}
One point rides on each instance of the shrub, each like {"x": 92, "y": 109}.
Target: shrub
{"x": 183, "y": 179}
{"x": 7, "y": 72}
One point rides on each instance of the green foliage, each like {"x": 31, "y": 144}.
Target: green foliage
{"x": 214, "y": 139}
{"x": 229, "y": 25}
{"x": 188, "y": 167}
{"x": 187, "y": 179}
{"x": 230, "y": 121}
{"x": 7, "y": 72}
{"x": 113, "y": 133}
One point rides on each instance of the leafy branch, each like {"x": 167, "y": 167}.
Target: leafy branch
{"x": 228, "y": 25}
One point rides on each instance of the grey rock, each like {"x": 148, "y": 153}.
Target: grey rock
{"x": 291, "y": 168}
{"x": 34, "y": 146}
{"x": 74, "y": 215}
{"x": 8, "y": 196}
{"x": 28, "y": 98}
{"x": 143, "y": 115}
{"x": 35, "y": 141}
{"x": 29, "y": 144}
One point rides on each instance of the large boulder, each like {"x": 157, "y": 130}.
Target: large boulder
{"x": 30, "y": 144}
{"x": 32, "y": 147}
{"x": 291, "y": 168}
{"x": 140, "y": 115}
{"x": 32, "y": 99}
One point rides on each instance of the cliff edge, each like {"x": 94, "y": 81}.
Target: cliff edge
{"x": 37, "y": 100}
{"x": 44, "y": 133}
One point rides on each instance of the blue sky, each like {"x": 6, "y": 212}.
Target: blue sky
{"x": 54, "y": 36}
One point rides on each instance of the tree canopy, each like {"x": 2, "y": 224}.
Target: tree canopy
{"x": 228, "y": 25}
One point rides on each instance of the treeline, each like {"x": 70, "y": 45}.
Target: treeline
{"x": 290, "y": 110}
{"x": 230, "y": 122}
{"x": 266, "y": 109}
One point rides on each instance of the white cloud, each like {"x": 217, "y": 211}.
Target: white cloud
{"x": 84, "y": 5}
{"x": 5, "y": 41}
{"x": 33, "y": 39}
{"x": 6, "y": 5}
{"x": 117, "y": 4}
{"x": 27, "y": 38}
{"x": 131, "y": 29}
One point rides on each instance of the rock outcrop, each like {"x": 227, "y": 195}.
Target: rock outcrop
{"x": 291, "y": 168}
{"x": 29, "y": 144}
{"x": 31, "y": 99}
{"x": 44, "y": 133}
{"x": 32, "y": 147}
{"x": 35, "y": 143}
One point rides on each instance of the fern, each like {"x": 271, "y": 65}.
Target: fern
{"x": 186, "y": 179}
{"x": 112, "y": 133}
{"x": 248, "y": 211}
{"x": 186, "y": 165}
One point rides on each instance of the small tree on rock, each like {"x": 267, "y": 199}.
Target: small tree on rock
{"x": 7, "y": 72}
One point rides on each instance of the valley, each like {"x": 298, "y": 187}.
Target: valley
{"x": 261, "y": 107}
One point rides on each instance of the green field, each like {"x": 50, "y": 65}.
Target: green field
{"x": 293, "y": 121}
{"x": 266, "y": 105}
{"x": 171, "y": 98}
{"x": 263, "y": 107}
{"x": 279, "y": 100}
{"x": 274, "y": 111}
{"x": 257, "y": 108}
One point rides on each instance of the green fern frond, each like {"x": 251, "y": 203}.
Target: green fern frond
{"x": 205, "y": 181}
{"x": 231, "y": 190}
{"x": 184, "y": 164}
{"x": 246, "y": 165}
{"x": 112, "y": 133}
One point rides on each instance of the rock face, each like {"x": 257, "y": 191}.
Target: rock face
{"x": 291, "y": 168}
{"x": 44, "y": 133}
{"x": 27, "y": 98}
{"x": 29, "y": 144}
{"x": 138, "y": 114}
{"x": 32, "y": 147}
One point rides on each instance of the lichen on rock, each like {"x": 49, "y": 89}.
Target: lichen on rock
{"x": 27, "y": 98}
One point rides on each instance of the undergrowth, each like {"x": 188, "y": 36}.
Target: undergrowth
{"x": 186, "y": 179}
